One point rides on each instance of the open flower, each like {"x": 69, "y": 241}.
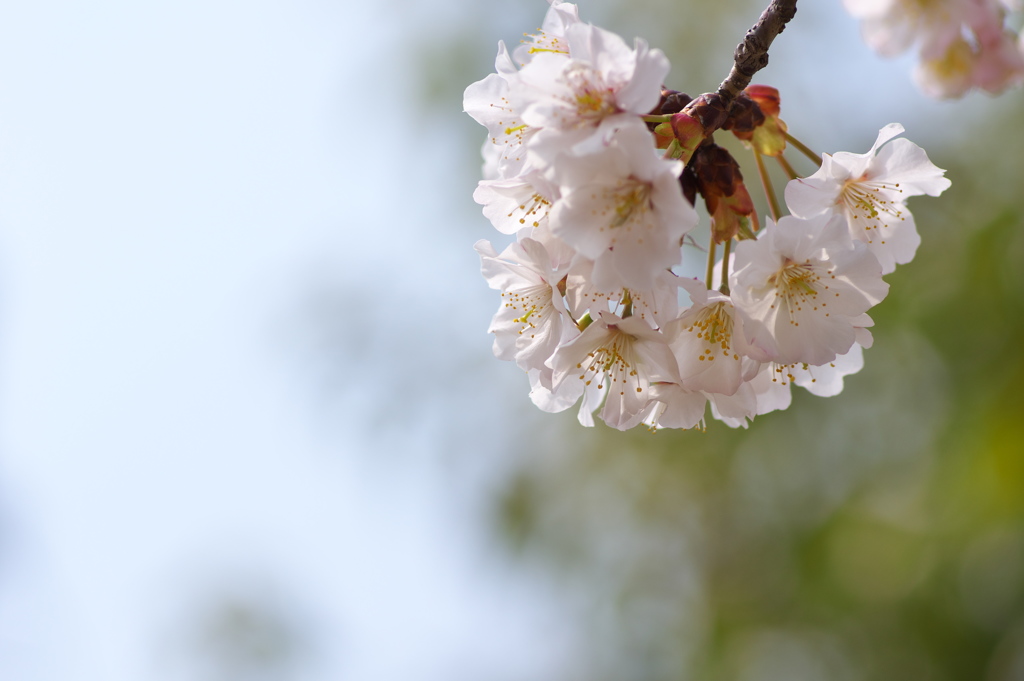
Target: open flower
{"x": 893, "y": 26}
{"x": 615, "y": 360}
{"x": 709, "y": 343}
{"x": 487, "y": 101}
{"x": 962, "y": 43}
{"x": 550, "y": 38}
{"x": 871, "y": 190}
{"x": 599, "y": 198}
{"x": 806, "y": 289}
{"x": 603, "y": 79}
{"x": 760, "y": 395}
{"x": 673, "y": 406}
{"x": 531, "y": 321}
{"x": 518, "y": 204}
{"x": 825, "y": 380}
{"x": 621, "y": 207}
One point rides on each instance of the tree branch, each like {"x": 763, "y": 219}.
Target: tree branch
{"x": 752, "y": 54}
{"x": 711, "y": 109}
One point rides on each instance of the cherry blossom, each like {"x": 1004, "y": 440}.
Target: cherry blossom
{"x": 672, "y": 406}
{"x": 587, "y": 173}
{"x": 603, "y": 79}
{"x": 709, "y": 343}
{"x": 891, "y": 27}
{"x": 657, "y": 305}
{"x": 616, "y": 359}
{"x": 962, "y": 44}
{"x": 550, "y": 38}
{"x": 806, "y": 289}
{"x": 488, "y": 103}
{"x": 825, "y": 380}
{"x": 759, "y": 395}
{"x": 871, "y": 190}
{"x": 518, "y": 203}
{"x": 531, "y": 321}
{"x": 622, "y": 208}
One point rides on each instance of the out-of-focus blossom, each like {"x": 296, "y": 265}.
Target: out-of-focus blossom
{"x": 962, "y": 44}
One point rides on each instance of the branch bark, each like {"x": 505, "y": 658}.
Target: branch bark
{"x": 752, "y": 53}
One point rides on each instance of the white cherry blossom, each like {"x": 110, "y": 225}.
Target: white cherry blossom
{"x": 591, "y": 308}
{"x": 709, "y": 344}
{"x": 622, "y": 208}
{"x": 948, "y": 75}
{"x": 891, "y": 27}
{"x": 517, "y": 204}
{"x": 616, "y": 360}
{"x": 657, "y": 305}
{"x": 487, "y": 101}
{"x": 604, "y": 78}
{"x": 826, "y": 380}
{"x": 760, "y": 395}
{"x": 531, "y": 321}
{"x": 962, "y": 44}
{"x": 550, "y": 38}
{"x": 672, "y": 406}
{"x": 870, "y": 190}
{"x": 806, "y": 289}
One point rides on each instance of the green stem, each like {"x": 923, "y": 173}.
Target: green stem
{"x": 766, "y": 183}
{"x": 711, "y": 263}
{"x": 724, "y": 288}
{"x": 803, "y": 148}
{"x": 788, "y": 168}
{"x": 659, "y": 118}
{"x": 674, "y": 150}
{"x": 627, "y": 304}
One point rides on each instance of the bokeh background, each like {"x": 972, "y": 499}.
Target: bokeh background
{"x": 250, "y": 426}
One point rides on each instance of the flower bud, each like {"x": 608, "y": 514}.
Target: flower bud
{"x": 744, "y": 117}
{"x": 673, "y": 101}
{"x": 769, "y": 138}
{"x": 688, "y": 133}
{"x": 709, "y": 110}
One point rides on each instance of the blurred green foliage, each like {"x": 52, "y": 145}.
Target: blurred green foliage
{"x": 876, "y": 535}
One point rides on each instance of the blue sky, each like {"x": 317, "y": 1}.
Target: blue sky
{"x": 187, "y": 191}
{"x": 178, "y": 180}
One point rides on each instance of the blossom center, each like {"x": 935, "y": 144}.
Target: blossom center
{"x": 590, "y": 100}
{"x": 533, "y": 209}
{"x": 956, "y": 62}
{"x": 870, "y": 204}
{"x": 798, "y": 286}
{"x": 612, "y": 364}
{"x": 714, "y": 326}
{"x": 626, "y": 203}
{"x": 531, "y": 305}
{"x": 542, "y": 42}
{"x": 510, "y": 132}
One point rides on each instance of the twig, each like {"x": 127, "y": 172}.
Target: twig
{"x": 766, "y": 182}
{"x": 752, "y": 53}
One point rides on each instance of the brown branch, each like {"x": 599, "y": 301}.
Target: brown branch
{"x": 752, "y": 54}
{"x": 711, "y": 109}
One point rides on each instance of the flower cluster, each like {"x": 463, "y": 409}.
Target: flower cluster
{"x": 962, "y": 44}
{"x": 595, "y": 170}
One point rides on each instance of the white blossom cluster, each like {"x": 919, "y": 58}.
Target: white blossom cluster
{"x": 590, "y": 306}
{"x": 962, "y": 44}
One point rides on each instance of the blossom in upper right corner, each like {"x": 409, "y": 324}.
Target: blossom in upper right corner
{"x": 871, "y": 190}
{"x": 962, "y": 44}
